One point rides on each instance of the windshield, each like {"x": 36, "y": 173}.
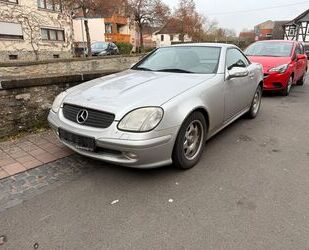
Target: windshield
{"x": 275, "y": 49}
{"x": 99, "y": 46}
{"x": 182, "y": 59}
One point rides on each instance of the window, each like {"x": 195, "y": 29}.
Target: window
{"x": 108, "y": 28}
{"x": 13, "y": 57}
{"x": 9, "y": 1}
{"x": 235, "y": 58}
{"x": 298, "y": 50}
{"x": 162, "y": 38}
{"x": 99, "y": 46}
{"x": 182, "y": 59}
{"x": 56, "y": 56}
{"x": 52, "y": 34}
{"x": 171, "y": 37}
{"x": 302, "y": 49}
{"x": 292, "y": 31}
{"x": 52, "y": 5}
{"x": 11, "y": 30}
{"x": 272, "y": 48}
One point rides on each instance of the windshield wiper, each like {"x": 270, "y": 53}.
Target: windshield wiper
{"x": 175, "y": 70}
{"x": 143, "y": 68}
{"x": 269, "y": 55}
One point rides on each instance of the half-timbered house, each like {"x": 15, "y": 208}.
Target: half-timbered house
{"x": 298, "y": 28}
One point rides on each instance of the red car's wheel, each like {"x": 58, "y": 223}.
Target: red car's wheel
{"x": 288, "y": 87}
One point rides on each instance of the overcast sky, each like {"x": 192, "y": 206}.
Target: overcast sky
{"x": 242, "y": 18}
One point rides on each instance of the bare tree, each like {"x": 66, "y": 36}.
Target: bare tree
{"x": 210, "y": 25}
{"x": 190, "y": 21}
{"x": 82, "y": 8}
{"x": 147, "y": 12}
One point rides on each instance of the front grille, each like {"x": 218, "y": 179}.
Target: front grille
{"x": 277, "y": 85}
{"x": 97, "y": 119}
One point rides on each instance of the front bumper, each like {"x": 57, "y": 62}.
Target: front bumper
{"x": 138, "y": 150}
{"x": 275, "y": 81}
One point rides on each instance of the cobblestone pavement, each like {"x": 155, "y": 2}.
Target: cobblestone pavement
{"x": 30, "y": 151}
{"x": 23, "y": 186}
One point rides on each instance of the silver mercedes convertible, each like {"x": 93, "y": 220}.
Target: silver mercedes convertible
{"x": 163, "y": 109}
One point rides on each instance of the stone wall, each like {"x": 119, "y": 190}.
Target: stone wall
{"x": 63, "y": 67}
{"x": 25, "y": 103}
{"x": 27, "y": 90}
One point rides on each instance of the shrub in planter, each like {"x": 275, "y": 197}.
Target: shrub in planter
{"x": 124, "y": 48}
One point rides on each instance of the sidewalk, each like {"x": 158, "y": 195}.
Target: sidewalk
{"x": 29, "y": 152}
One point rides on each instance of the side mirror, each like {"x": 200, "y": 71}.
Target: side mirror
{"x": 300, "y": 57}
{"x": 237, "y": 72}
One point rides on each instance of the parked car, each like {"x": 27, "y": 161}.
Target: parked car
{"x": 104, "y": 49}
{"x": 163, "y": 109}
{"x": 284, "y": 63}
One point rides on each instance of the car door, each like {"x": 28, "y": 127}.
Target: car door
{"x": 300, "y": 63}
{"x": 238, "y": 90}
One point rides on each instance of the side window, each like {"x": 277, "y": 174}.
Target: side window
{"x": 235, "y": 58}
{"x": 298, "y": 50}
{"x": 301, "y": 49}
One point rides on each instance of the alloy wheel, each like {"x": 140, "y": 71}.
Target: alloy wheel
{"x": 193, "y": 140}
{"x": 289, "y": 85}
{"x": 256, "y": 101}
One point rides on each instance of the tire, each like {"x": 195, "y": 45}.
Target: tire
{"x": 302, "y": 80}
{"x": 288, "y": 87}
{"x": 255, "y": 104}
{"x": 192, "y": 132}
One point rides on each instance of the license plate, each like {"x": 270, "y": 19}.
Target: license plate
{"x": 78, "y": 141}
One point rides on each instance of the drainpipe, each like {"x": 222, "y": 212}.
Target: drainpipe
{"x": 83, "y": 37}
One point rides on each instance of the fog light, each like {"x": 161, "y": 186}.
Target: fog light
{"x": 131, "y": 155}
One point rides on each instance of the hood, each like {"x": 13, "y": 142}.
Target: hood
{"x": 269, "y": 62}
{"x": 122, "y": 92}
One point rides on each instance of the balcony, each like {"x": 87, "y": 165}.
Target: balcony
{"x": 117, "y": 19}
{"x": 117, "y": 38}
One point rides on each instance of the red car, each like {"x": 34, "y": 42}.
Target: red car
{"x": 284, "y": 63}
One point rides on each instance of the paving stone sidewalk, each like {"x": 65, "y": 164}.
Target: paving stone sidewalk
{"x": 29, "y": 152}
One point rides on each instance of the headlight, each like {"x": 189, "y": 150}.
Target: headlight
{"x": 280, "y": 69}
{"x": 141, "y": 120}
{"x": 58, "y": 101}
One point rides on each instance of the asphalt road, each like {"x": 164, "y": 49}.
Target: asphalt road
{"x": 250, "y": 191}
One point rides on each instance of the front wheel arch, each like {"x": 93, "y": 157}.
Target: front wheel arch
{"x": 179, "y": 160}
{"x": 204, "y": 112}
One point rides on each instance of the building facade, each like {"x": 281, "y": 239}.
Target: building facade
{"x": 298, "y": 28}
{"x": 115, "y": 28}
{"x": 34, "y": 30}
{"x": 171, "y": 33}
{"x": 269, "y": 30}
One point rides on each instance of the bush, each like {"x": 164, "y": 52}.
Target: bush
{"x": 148, "y": 49}
{"x": 124, "y": 48}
